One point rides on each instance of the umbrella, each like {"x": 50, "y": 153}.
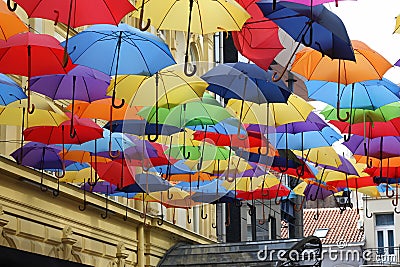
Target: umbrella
{"x": 140, "y": 127}
{"x": 116, "y": 172}
{"x": 80, "y": 83}
{"x": 325, "y": 155}
{"x": 258, "y": 40}
{"x": 369, "y": 65}
{"x": 39, "y": 156}
{"x": 370, "y": 94}
{"x": 204, "y": 17}
{"x": 30, "y": 54}
{"x": 77, "y": 13}
{"x": 316, "y": 27}
{"x": 100, "y": 109}
{"x": 147, "y": 183}
{"x": 310, "y": 2}
{"x": 382, "y": 114}
{"x": 380, "y": 147}
{"x": 9, "y": 90}
{"x": 296, "y": 109}
{"x": 85, "y": 129}
{"x": 123, "y": 50}
{"x": 168, "y": 88}
{"x": 10, "y": 24}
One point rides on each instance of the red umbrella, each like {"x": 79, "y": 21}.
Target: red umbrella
{"x": 371, "y": 129}
{"x": 30, "y": 54}
{"x": 264, "y": 193}
{"x": 75, "y": 13}
{"x": 254, "y": 139}
{"x": 356, "y": 182}
{"x": 258, "y": 40}
{"x": 86, "y": 130}
{"x": 387, "y": 172}
{"x": 116, "y": 172}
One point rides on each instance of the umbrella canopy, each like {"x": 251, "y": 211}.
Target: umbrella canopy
{"x": 10, "y": 91}
{"x": 30, "y": 54}
{"x": 207, "y": 16}
{"x": 258, "y": 40}
{"x": 369, "y": 65}
{"x": 39, "y": 156}
{"x": 296, "y": 109}
{"x": 313, "y": 190}
{"x": 77, "y": 13}
{"x": 312, "y": 123}
{"x": 326, "y": 137}
{"x": 311, "y": 2}
{"x": 140, "y": 127}
{"x": 370, "y": 94}
{"x": 382, "y": 114}
{"x": 147, "y": 183}
{"x": 100, "y": 109}
{"x": 247, "y": 82}
{"x": 80, "y": 83}
{"x": 325, "y": 155}
{"x": 85, "y": 129}
{"x": 371, "y": 129}
{"x": 123, "y": 50}
{"x": 116, "y": 172}
{"x": 381, "y": 147}
{"x": 315, "y": 27}
{"x": 265, "y": 193}
{"x": 10, "y": 24}
{"x": 46, "y": 113}
{"x": 168, "y": 88}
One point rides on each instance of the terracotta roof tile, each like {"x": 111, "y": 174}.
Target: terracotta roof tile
{"x": 342, "y": 226}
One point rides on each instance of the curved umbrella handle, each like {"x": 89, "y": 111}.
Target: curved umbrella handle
{"x": 338, "y": 113}
{"x": 189, "y": 221}
{"x": 214, "y": 225}
{"x": 152, "y": 139}
{"x": 203, "y": 216}
{"x": 56, "y": 192}
{"x": 316, "y": 215}
{"x": 43, "y": 187}
{"x": 115, "y": 105}
{"x": 186, "y": 68}
{"x": 82, "y": 208}
{"x": 161, "y": 220}
{"x": 366, "y": 209}
{"x": 31, "y": 108}
{"x": 368, "y": 160}
{"x": 303, "y": 37}
{"x": 126, "y": 208}
{"x": 104, "y": 216}
{"x": 110, "y": 151}
{"x": 169, "y": 196}
{"x": 397, "y": 211}
{"x": 141, "y": 19}
{"x": 263, "y": 154}
{"x": 13, "y": 7}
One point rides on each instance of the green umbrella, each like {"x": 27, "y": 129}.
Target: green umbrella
{"x": 209, "y": 152}
{"x": 382, "y": 114}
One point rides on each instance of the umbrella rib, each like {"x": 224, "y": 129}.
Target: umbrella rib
{"x": 109, "y": 9}
{"x": 233, "y": 19}
{"x": 87, "y": 89}
{"x": 58, "y": 59}
{"x": 166, "y": 14}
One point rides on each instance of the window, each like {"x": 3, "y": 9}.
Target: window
{"x": 321, "y": 232}
{"x": 384, "y": 229}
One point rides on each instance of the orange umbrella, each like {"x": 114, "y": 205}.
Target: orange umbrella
{"x": 10, "y": 24}
{"x": 82, "y": 156}
{"x": 101, "y": 109}
{"x": 374, "y": 162}
{"x": 369, "y": 65}
{"x": 191, "y": 177}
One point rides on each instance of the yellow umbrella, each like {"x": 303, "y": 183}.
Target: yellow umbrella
{"x": 296, "y": 109}
{"x": 371, "y": 191}
{"x": 203, "y": 17}
{"x": 232, "y": 166}
{"x": 46, "y": 113}
{"x": 251, "y": 184}
{"x": 321, "y": 155}
{"x": 207, "y": 16}
{"x": 174, "y": 88}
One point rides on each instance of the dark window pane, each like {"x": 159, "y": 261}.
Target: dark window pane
{"x": 380, "y": 243}
{"x": 391, "y": 241}
{"x": 384, "y": 219}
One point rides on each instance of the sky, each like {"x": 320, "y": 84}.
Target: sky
{"x": 373, "y": 22}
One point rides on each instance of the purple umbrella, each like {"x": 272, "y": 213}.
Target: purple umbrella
{"x": 315, "y": 191}
{"x": 380, "y": 147}
{"x": 102, "y": 187}
{"x": 311, "y": 2}
{"x": 312, "y": 123}
{"x": 40, "y": 156}
{"x": 345, "y": 167}
{"x": 80, "y": 83}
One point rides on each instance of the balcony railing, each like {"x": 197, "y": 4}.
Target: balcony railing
{"x": 387, "y": 256}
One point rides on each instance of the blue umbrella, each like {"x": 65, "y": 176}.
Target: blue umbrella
{"x": 315, "y": 27}
{"x": 179, "y": 167}
{"x": 326, "y": 137}
{"x": 119, "y": 49}
{"x": 247, "y": 82}
{"x": 9, "y": 90}
{"x": 227, "y": 126}
{"x": 369, "y": 95}
{"x": 140, "y": 127}
{"x": 119, "y": 142}
{"x": 147, "y": 183}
